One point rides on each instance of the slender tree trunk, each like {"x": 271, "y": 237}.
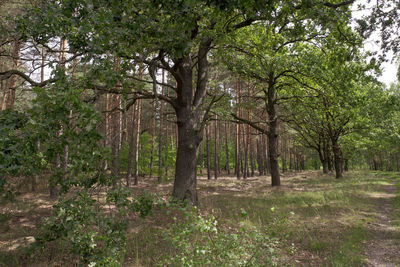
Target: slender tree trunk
{"x": 138, "y": 126}
{"x": 137, "y": 142}
{"x": 216, "y": 157}
{"x": 208, "y": 152}
{"x": 227, "y": 167}
{"x": 265, "y": 155}
{"x": 153, "y": 126}
{"x": 107, "y": 128}
{"x": 115, "y": 140}
{"x": 131, "y": 148}
{"x": 201, "y": 156}
{"x": 160, "y": 142}
{"x": 283, "y": 152}
{"x": 260, "y": 162}
{"x": 166, "y": 144}
{"x": 247, "y": 145}
{"x": 3, "y": 88}
{"x": 238, "y": 131}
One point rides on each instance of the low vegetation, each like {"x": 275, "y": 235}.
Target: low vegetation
{"x": 312, "y": 220}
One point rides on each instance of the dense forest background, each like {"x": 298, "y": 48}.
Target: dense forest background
{"x": 99, "y": 97}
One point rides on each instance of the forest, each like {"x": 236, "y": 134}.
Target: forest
{"x": 199, "y": 133}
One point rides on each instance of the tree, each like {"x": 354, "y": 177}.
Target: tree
{"x": 171, "y": 35}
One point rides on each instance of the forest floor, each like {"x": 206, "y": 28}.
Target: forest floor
{"x": 315, "y": 219}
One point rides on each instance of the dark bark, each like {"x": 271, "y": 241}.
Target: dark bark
{"x": 337, "y": 159}
{"x": 188, "y": 109}
{"x": 272, "y": 132}
{"x": 260, "y": 158}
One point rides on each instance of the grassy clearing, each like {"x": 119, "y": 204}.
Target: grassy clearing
{"x": 312, "y": 220}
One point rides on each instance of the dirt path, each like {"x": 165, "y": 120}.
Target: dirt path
{"x": 384, "y": 245}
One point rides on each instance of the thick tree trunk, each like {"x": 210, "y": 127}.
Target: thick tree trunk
{"x": 13, "y": 80}
{"x": 337, "y": 159}
{"x": 272, "y": 133}
{"x": 188, "y": 109}
{"x": 186, "y": 160}
{"x": 323, "y": 160}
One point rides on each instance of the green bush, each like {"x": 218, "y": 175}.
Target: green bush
{"x": 199, "y": 241}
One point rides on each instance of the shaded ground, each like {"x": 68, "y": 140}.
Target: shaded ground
{"x": 319, "y": 221}
{"x": 384, "y": 245}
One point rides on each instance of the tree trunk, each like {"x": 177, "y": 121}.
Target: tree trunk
{"x": 160, "y": 143}
{"x": 267, "y": 168}
{"x": 260, "y": 161}
{"x": 208, "y": 153}
{"x": 216, "y": 158}
{"x": 188, "y": 109}
{"x": 166, "y": 144}
{"x": 227, "y": 167}
{"x": 3, "y": 88}
{"x": 337, "y": 159}
{"x": 153, "y": 126}
{"x": 131, "y": 149}
{"x": 272, "y": 133}
{"x": 237, "y": 141}
{"x": 115, "y": 141}
{"x": 13, "y": 80}
{"x": 137, "y": 142}
{"x": 201, "y": 156}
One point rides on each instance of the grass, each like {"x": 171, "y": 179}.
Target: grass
{"x": 314, "y": 220}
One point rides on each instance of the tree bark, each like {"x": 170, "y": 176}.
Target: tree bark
{"x": 13, "y": 79}
{"x": 131, "y": 149}
{"x": 208, "y": 153}
{"x": 137, "y": 142}
{"x": 160, "y": 142}
{"x": 237, "y": 142}
{"x": 216, "y": 158}
{"x": 227, "y": 167}
{"x": 337, "y": 159}
{"x": 153, "y": 126}
{"x": 272, "y": 132}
